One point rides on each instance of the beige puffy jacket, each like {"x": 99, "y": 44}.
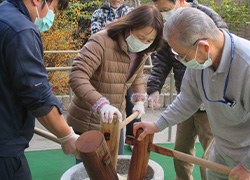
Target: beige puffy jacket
{"x": 100, "y": 69}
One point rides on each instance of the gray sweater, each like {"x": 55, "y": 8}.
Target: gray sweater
{"x": 230, "y": 125}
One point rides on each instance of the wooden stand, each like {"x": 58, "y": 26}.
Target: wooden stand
{"x": 95, "y": 156}
{"x": 140, "y": 157}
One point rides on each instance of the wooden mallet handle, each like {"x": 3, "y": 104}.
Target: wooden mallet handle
{"x": 52, "y": 137}
{"x": 129, "y": 119}
{"x": 182, "y": 156}
{"x": 46, "y": 134}
{"x": 191, "y": 159}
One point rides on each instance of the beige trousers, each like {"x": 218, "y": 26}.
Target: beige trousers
{"x": 186, "y": 134}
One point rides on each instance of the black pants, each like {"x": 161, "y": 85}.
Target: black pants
{"x": 129, "y": 107}
{"x": 14, "y": 168}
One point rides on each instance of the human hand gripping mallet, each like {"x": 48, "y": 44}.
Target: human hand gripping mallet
{"x": 64, "y": 142}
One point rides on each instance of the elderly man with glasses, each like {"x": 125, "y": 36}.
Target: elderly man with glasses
{"x": 197, "y": 125}
{"x": 219, "y": 78}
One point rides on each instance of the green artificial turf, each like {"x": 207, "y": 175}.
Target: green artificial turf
{"x": 51, "y": 164}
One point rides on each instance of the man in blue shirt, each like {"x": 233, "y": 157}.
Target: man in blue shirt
{"x": 25, "y": 90}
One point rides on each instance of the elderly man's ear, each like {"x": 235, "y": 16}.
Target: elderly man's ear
{"x": 205, "y": 44}
{"x": 181, "y": 2}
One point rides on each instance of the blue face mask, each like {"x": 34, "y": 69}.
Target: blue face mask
{"x": 45, "y": 23}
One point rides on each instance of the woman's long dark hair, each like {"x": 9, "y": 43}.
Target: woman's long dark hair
{"x": 140, "y": 17}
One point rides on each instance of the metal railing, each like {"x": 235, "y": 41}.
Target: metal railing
{"x": 147, "y": 67}
{"x": 63, "y": 68}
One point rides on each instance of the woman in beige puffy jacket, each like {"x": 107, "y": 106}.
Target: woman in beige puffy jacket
{"x": 108, "y": 64}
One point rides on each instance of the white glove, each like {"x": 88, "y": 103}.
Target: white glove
{"x": 139, "y": 106}
{"x": 154, "y": 99}
{"x": 68, "y": 144}
{"x": 107, "y": 112}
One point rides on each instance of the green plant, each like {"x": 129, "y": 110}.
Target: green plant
{"x": 145, "y": 1}
{"x": 232, "y": 12}
{"x": 82, "y": 10}
{"x": 70, "y": 31}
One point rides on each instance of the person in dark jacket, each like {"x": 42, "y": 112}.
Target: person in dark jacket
{"x": 25, "y": 90}
{"x": 164, "y": 61}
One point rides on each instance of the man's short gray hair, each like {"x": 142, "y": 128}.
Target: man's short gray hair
{"x": 189, "y": 24}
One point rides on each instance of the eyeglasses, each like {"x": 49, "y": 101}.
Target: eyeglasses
{"x": 179, "y": 58}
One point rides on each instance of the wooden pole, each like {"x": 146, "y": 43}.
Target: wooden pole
{"x": 182, "y": 156}
{"x": 47, "y": 135}
{"x": 140, "y": 157}
{"x": 188, "y": 158}
{"x": 129, "y": 119}
{"x": 111, "y": 134}
{"x": 95, "y": 156}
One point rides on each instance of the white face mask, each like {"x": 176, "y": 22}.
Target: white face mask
{"x": 166, "y": 15}
{"x": 135, "y": 45}
{"x": 195, "y": 65}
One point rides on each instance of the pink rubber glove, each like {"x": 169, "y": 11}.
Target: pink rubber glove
{"x": 139, "y": 106}
{"x": 107, "y": 113}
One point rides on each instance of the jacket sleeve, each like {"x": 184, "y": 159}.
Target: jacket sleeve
{"x": 178, "y": 70}
{"x": 84, "y": 66}
{"x": 163, "y": 59}
{"x": 97, "y": 21}
{"x": 26, "y": 71}
{"x": 126, "y": 9}
{"x": 185, "y": 104}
